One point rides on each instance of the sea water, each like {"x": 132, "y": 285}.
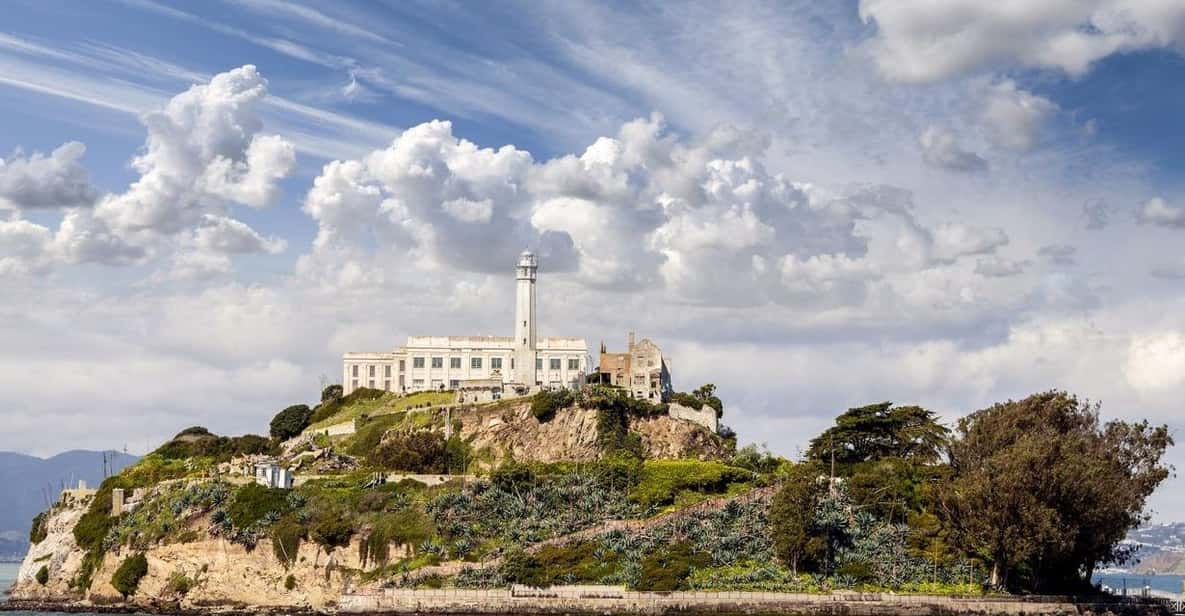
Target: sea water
{"x": 1136, "y": 582}
{"x": 8, "y": 573}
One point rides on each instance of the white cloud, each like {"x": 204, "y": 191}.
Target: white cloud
{"x": 922, "y": 40}
{"x": 1060, "y": 254}
{"x": 940, "y": 148}
{"x": 1158, "y": 212}
{"x": 999, "y": 267}
{"x": 1014, "y": 118}
{"x": 1156, "y": 362}
{"x": 22, "y": 247}
{"x": 39, "y": 181}
{"x": 219, "y": 234}
{"x": 954, "y": 240}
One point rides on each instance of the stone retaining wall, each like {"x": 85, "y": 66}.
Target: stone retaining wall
{"x": 615, "y": 600}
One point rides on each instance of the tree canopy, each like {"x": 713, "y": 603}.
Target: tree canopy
{"x": 1044, "y": 492}
{"x": 290, "y": 422}
{"x": 880, "y": 431}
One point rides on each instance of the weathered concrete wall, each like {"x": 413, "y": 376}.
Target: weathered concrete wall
{"x": 613, "y": 600}
{"x": 705, "y": 417}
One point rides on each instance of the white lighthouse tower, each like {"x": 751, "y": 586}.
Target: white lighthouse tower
{"x": 524, "y": 319}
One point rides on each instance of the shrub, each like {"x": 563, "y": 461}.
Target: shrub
{"x": 42, "y": 576}
{"x": 332, "y": 392}
{"x": 179, "y": 583}
{"x": 329, "y": 408}
{"x": 290, "y": 422}
{"x": 127, "y": 577}
{"x": 663, "y": 480}
{"x": 370, "y": 434}
{"x": 669, "y": 569}
{"x": 290, "y": 581}
{"x": 286, "y": 537}
{"x": 253, "y": 502}
{"x": 421, "y": 451}
{"x": 332, "y": 532}
{"x": 545, "y": 403}
{"x": 38, "y": 531}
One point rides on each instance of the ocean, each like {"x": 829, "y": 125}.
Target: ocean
{"x": 1134, "y": 582}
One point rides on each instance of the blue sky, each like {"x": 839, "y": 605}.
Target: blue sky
{"x": 813, "y": 205}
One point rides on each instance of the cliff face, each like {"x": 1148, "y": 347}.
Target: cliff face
{"x": 511, "y": 430}
{"x": 220, "y": 573}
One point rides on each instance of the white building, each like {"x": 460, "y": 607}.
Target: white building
{"x": 449, "y": 362}
{"x": 272, "y": 475}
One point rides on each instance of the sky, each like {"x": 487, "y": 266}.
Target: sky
{"x": 813, "y": 205}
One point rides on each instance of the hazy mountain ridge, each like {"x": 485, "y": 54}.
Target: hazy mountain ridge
{"x": 1162, "y": 548}
{"x": 25, "y": 482}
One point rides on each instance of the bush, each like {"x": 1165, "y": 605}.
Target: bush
{"x": 42, "y": 576}
{"x": 199, "y": 443}
{"x": 545, "y": 403}
{"x": 179, "y": 583}
{"x": 286, "y": 537}
{"x": 290, "y": 581}
{"x": 333, "y": 392}
{"x": 332, "y": 532}
{"x": 290, "y": 422}
{"x": 669, "y": 569}
{"x": 127, "y": 577}
{"x": 38, "y": 531}
{"x": 329, "y": 408}
{"x": 663, "y": 480}
{"x": 253, "y": 502}
{"x": 421, "y": 451}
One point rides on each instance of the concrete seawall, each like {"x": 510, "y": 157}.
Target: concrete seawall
{"x": 611, "y": 600}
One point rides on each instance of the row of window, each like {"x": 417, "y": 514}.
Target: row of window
{"x": 554, "y": 363}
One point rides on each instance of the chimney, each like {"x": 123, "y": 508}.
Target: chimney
{"x": 631, "y": 341}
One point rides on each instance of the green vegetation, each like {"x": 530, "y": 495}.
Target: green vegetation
{"x": 583, "y": 562}
{"x": 878, "y": 432}
{"x": 253, "y": 503}
{"x": 417, "y": 451}
{"x": 705, "y": 395}
{"x": 127, "y": 577}
{"x": 545, "y": 403}
{"x": 669, "y": 569}
{"x": 197, "y": 442}
{"x": 179, "y": 583}
{"x": 42, "y": 575}
{"x": 663, "y": 481}
{"x": 290, "y": 422}
{"x": 371, "y": 403}
{"x": 38, "y": 531}
{"x": 290, "y": 581}
{"x": 1044, "y": 492}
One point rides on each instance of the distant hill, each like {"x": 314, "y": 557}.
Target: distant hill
{"x": 1162, "y": 548}
{"x": 26, "y": 480}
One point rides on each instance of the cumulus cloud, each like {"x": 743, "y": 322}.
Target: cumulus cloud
{"x": 38, "y": 181}
{"x": 941, "y": 148}
{"x": 1158, "y": 212}
{"x": 1014, "y": 118}
{"x": 204, "y": 152}
{"x": 203, "y": 148}
{"x": 1156, "y": 362}
{"x": 922, "y": 41}
{"x": 954, "y": 240}
{"x": 22, "y": 246}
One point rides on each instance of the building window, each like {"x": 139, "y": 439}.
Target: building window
{"x": 437, "y": 362}
{"x": 402, "y": 365}
{"x": 354, "y": 370}
{"x": 354, "y": 384}
{"x": 417, "y": 383}
{"x": 371, "y": 384}
{"x": 417, "y": 362}
{"x": 454, "y": 363}
{"x": 387, "y": 371}
{"x": 387, "y": 384}
{"x": 512, "y": 363}
{"x": 538, "y": 363}
{"x": 437, "y": 384}
{"x": 454, "y": 384}
{"x": 554, "y": 364}
{"x": 475, "y": 363}
{"x": 573, "y": 364}
{"x": 495, "y": 363}
{"x": 371, "y": 371}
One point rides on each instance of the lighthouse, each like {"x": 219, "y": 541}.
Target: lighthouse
{"x": 525, "y": 354}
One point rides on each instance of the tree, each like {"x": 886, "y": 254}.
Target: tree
{"x": 707, "y": 394}
{"x": 290, "y": 422}
{"x": 880, "y": 431}
{"x": 127, "y": 577}
{"x": 792, "y": 514}
{"x": 1044, "y": 492}
{"x": 332, "y": 393}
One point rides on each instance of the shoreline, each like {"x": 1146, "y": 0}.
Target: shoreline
{"x": 508, "y": 602}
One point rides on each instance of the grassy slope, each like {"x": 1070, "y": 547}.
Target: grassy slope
{"x": 385, "y": 405}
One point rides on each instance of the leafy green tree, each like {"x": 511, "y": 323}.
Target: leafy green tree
{"x": 290, "y": 422}
{"x": 419, "y": 451}
{"x": 880, "y": 431}
{"x": 1044, "y": 492}
{"x": 792, "y": 514}
{"x": 707, "y": 393}
{"x": 332, "y": 393}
